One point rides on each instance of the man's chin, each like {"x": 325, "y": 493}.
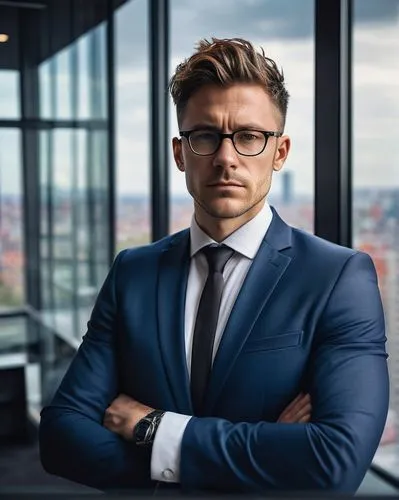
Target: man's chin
{"x": 227, "y": 211}
{"x": 229, "y": 208}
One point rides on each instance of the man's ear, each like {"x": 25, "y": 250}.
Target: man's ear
{"x": 178, "y": 153}
{"x": 282, "y": 150}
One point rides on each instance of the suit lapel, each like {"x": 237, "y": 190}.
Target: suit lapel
{"x": 265, "y": 272}
{"x": 173, "y": 276}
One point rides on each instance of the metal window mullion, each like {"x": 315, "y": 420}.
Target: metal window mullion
{"x": 11, "y": 123}
{"x": 74, "y": 181}
{"x": 25, "y": 171}
{"x": 346, "y": 123}
{"x": 35, "y": 123}
{"x": 53, "y": 89}
{"x": 50, "y": 216}
{"x": 90, "y": 180}
{"x": 51, "y": 158}
{"x": 31, "y": 189}
{"x": 97, "y": 158}
{"x": 90, "y": 206}
{"x": 332, "y": 120}
{"x": 159, "y": 135}
{"x": 111, "y": 89}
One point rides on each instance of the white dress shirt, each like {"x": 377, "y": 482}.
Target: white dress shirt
{"x": 245, "y": 241}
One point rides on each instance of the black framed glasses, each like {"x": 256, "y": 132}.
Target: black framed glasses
{"x": 246, "y": 142}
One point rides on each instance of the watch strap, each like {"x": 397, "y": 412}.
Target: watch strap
{"x": 148, "y": 426}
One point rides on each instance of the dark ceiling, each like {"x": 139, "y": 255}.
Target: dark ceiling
{"x": 46, "y": 26}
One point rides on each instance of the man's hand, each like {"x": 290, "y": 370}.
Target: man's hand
{"x": 123, "y": 414}
{"x": 298, "y": 411}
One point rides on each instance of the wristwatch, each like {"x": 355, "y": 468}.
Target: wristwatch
{"x": 145, "y": 429}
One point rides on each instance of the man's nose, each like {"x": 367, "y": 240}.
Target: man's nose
{"x": 226, "y": 155}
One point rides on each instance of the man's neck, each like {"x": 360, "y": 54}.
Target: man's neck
{"x": 220, "y": 228}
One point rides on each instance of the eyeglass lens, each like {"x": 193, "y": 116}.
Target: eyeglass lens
{"x": 246, "y": 142}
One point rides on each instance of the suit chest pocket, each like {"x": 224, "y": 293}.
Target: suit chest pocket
{"x": 274, "y": 342}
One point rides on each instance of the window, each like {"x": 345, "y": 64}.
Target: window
{"x": 12, "y": 291}
{"x": 74, "y": 191}
{"x": 9, "y": 64}
{"x": 63, "y": 84}
{"x": 376, "y": 175}
{"x": 132, "y": 125}
{"x": 45, "y": 78}
{"x": 9, "y": 94}
{"x": 285, "y": 30}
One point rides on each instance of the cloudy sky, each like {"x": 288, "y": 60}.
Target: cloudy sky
{"x": 285, "y": 29}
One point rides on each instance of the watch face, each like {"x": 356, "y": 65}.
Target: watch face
{"x": 144, "y": 432}
{"x": 140, "y": 430}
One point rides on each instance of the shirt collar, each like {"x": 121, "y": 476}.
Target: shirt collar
{"x": 246, "y": 239}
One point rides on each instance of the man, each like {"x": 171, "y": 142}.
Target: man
{"x": 199, "y": 341}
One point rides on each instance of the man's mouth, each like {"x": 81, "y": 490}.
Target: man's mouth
{"x": 226, "y": 184}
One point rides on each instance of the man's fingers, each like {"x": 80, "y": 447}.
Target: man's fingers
{"x": 304, "y": 420}
{"x": 306, "y": 410}
{"x": 296, "y": 414}
{"x": 300, "y": 402}
{"x": 304, "y": 413}
{"x": 300, "y": 396}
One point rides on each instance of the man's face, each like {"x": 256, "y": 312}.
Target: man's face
{"x": 227, "y": 185}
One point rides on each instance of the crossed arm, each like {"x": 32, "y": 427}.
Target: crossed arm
{"x": 124, "y": 413}
{"x": 349, "y": 391}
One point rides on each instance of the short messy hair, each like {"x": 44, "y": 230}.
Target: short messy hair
{"x": 224, "y": 62}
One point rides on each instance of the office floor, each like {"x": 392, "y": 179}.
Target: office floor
{"x": 20, "y": 468}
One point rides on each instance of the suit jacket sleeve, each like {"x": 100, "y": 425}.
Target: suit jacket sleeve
{"x": 348, "y": 384}
{"x": 73, "y": 442}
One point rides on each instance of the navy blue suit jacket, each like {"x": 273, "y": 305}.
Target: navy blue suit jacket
{"x": 308, "y": 317}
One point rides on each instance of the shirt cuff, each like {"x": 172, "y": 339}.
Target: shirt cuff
{"x": 165, "y": 457}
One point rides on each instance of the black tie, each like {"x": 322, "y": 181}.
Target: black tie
{"x": 206, "y": 322}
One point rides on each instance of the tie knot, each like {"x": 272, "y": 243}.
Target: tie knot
{"x": 217, "y": 256}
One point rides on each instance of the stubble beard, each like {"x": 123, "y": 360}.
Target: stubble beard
{"x": 229, "y": 212}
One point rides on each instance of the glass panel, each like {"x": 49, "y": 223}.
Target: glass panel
{"x": 285, "y": 29}
{"x": 45, "y": 214}
{"x": 74, "y": 226}
{"x": 83, "y": 76}
{"x": 132, "y": 125}
{"x": 45, "y": 89}
{"x": 92, "y": 224}
{"x": 92, "y": 75}
{"x": 63, "y": 79}
{"x": 74, "y": 190}
{"x": 82, "y": 210}
{"x": 11, "y": 221}
{"x": 376, "y": 177}
{"x": 9, "y": 62}
{"x": 62, "y": 237}
{"x": 9, "y": 94}
{"x": 99, "y": 88}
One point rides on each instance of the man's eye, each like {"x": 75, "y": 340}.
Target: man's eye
{"x": 204, "y": 136}
{"x": 247, "y": 136}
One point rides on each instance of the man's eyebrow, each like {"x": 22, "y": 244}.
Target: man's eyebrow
{"x": 204, "y": 126}
{"x": 253, "y": 126}
{"x": 245, "y": 126}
